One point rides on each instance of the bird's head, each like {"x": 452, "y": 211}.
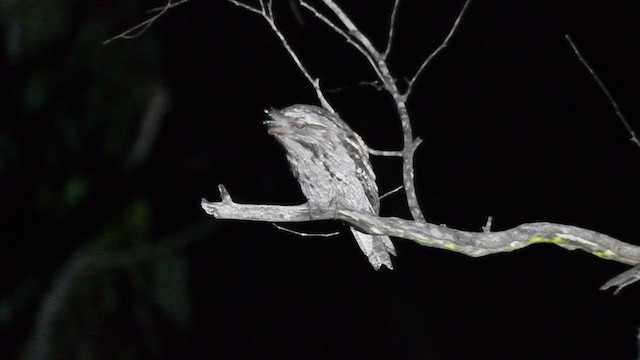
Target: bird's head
{"x": 302, "y": 121}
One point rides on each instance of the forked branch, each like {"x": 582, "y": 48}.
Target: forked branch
{"x": 468, "y": 243}
{"x": 378, "y": 62}
{"x": 350, "y": 32}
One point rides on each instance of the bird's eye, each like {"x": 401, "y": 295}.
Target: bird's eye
{"x": 299, "y": 124}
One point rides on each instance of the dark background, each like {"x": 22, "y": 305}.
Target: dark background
{"x": 513, "y": 127}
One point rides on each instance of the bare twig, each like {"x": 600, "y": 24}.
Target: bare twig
{"x": 142, "y": 27}
{"x": 374, "y": 84}
{"x": 247, "y": 7}
{"x": 352, "y": 29}
{"x": 266, "y": 11}
{"x": 392, "y": 25}
{"x": 304, "y": 234}
{"x": 444, "y": 44}
{"x": 487, "y": 226}
{"x": 390, "y": 192}
{"x": 342, "y": 33}
{"x": 473, "y": 244}
{"x": 604, "y": 89}
{"x": 384, "y": 152}
{"x": 623, "y": 280}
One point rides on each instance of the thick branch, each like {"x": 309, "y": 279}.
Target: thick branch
{"x": 473, "y": 244}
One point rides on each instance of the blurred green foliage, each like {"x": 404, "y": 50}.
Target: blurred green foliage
{"x": 72, "y": 113}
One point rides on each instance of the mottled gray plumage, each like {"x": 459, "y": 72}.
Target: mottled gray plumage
{"x": 332, "y": 166}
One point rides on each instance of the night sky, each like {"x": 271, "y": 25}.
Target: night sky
{"x": 513, "y": 127}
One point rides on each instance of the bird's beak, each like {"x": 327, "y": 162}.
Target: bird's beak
{"x": 274, "y": 126}
{"x": 275, "y": 130}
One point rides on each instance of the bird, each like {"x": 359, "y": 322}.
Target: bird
{"x": 331, "y": 164}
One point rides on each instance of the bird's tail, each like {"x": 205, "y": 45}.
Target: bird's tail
{"x": 377, "y": 248}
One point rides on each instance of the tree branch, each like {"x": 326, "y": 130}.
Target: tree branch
{"x": 632, "y": 275}
{"x": 247, "y": 7}
{"x": 468, "y": 243}
{"x": 473, "y": 244}
{"x": 142, "y": 27}
{"x": 352, "y": 41}
{"x": 378, "y": 62}
{"x": 444, "y": 44}
{"x": 266, "y": 11}
{"x": 392, "y": 26}
{"x": 604, "y": 89}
